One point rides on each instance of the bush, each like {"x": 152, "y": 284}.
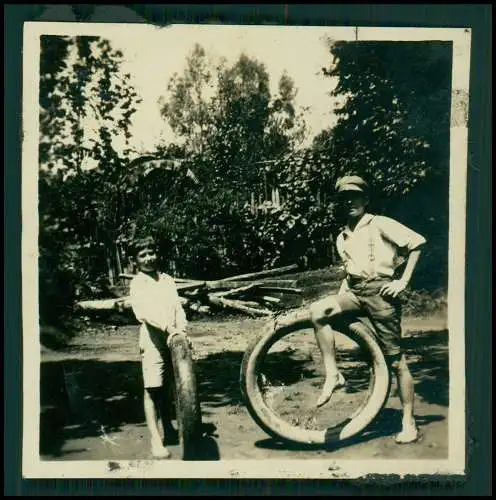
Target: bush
{"x": 424, "y": 303}
{"x": 64, "y": 278}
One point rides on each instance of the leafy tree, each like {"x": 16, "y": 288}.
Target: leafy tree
{"x": 252, "y": 125}
{"x": 86, "y": 104}
{"x": 189, "y": 110}
{"x": 302, "y": 227}
{"x": 394, "y": 130}
{"x": 221, "y": 112}
{"x": 230, "y": 125}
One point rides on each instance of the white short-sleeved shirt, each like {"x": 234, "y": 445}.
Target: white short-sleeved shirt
{"x": 376, "y": 247}
{"x": 156, "y": 303}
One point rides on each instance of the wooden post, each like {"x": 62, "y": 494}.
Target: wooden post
{"x": 109, "y": 267}
{"x": 266, "y": 192}
{"x": 332, "y": 252}
{"x": 118, "y": 259}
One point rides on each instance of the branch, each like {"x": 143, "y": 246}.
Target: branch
{"x": 281, "y": 289}
{"x": 238, "y": 305}
{"x": 259, "y": 274}
{"x": 235, "y": 291}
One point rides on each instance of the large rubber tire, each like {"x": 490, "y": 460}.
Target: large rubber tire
{"x": 276, "y": 427}
{"x": 188, "y": 412}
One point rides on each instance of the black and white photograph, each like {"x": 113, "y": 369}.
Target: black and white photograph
{"x": 243, "y": 247}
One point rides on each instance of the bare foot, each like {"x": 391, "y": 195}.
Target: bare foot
{"x": 332, "y": 383}
{"x": 409, "y": 434}
{"x": 160, "y": 451}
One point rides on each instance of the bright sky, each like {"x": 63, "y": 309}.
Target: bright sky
{"x": 153, "y": 57}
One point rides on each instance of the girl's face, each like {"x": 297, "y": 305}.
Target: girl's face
{"x": 147, "y": 259}
{"x": 354, "y": 203}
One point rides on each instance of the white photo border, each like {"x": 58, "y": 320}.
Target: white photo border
{"x": 455, "y": 464}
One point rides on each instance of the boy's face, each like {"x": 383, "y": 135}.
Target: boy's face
{"x": 147, "y": 258}
{"x": 354, "y": 203}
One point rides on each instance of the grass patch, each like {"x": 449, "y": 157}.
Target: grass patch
{"x": 416, "y": 302}
{"x": 425, "y": 303}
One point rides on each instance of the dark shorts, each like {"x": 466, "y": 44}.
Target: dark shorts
{"x": 384, "y": 313}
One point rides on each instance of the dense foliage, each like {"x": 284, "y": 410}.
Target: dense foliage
{"x": 229, "y": 124}
{"x": 86, "y": 106}
{"x": 237, "y": 191}
{"x": 394, "y": 130}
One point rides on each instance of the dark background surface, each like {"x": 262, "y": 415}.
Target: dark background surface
{"x": 478, "y": 267}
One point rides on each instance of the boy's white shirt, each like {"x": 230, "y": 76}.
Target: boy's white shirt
{"x": 387, "y": 237}
{"x": 156, "y": 302}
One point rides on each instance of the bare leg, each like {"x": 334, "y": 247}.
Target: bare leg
{"x": 406, "y": 388}
{"x": 326, "y": 341}
{"x": 151, "y": 415}
{"x": 166, "y": 399}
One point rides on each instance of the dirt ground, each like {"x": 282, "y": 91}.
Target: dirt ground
{"x": 91, "y": 396}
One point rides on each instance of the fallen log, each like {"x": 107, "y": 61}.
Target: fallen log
{"x": 279, "y": 282}
{"x": 179, "y": 281}
{"x": 231, "y": 282}
{"x": 227, "y": 285}
{"x": 199, "y": 308}
{"x": 259, "y": 274}
{"x": 98, "y": 305}
{"x": 220, "y": 290}
{"x": 247, "y": 303}
{"x": 272, "y": 300}
{"x": 239, "y": 306}
{"x": 236, "y": 291}
{"x": 280, "y": 289}
{"x": 193, "y": 285}
{"x": 120, "y": 304}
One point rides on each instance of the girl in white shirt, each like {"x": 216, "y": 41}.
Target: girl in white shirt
{"x": 157, "y": 307}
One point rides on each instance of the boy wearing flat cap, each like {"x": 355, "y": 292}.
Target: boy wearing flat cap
{"x": 372, "y": 247}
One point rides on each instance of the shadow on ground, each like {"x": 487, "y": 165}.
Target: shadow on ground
{"x": 428, "y": 359}
{"x": 388, "y": 423}
{"x": 87, "y": 398}
{"x": 83, "y": 398}
{"x": 217, "y": 377}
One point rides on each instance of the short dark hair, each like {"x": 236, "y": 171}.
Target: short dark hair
{"x": 140, "y": 242}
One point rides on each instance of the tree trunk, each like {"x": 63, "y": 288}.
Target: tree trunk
{"x": 111, "y": 274}
{"x": 118, "y": 260}
{"x": 332, "y": 250}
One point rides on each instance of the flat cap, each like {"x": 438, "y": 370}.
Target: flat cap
{"x": 351, "y": 183}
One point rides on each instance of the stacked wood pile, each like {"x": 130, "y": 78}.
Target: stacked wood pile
{"x": 254, "y": 294}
